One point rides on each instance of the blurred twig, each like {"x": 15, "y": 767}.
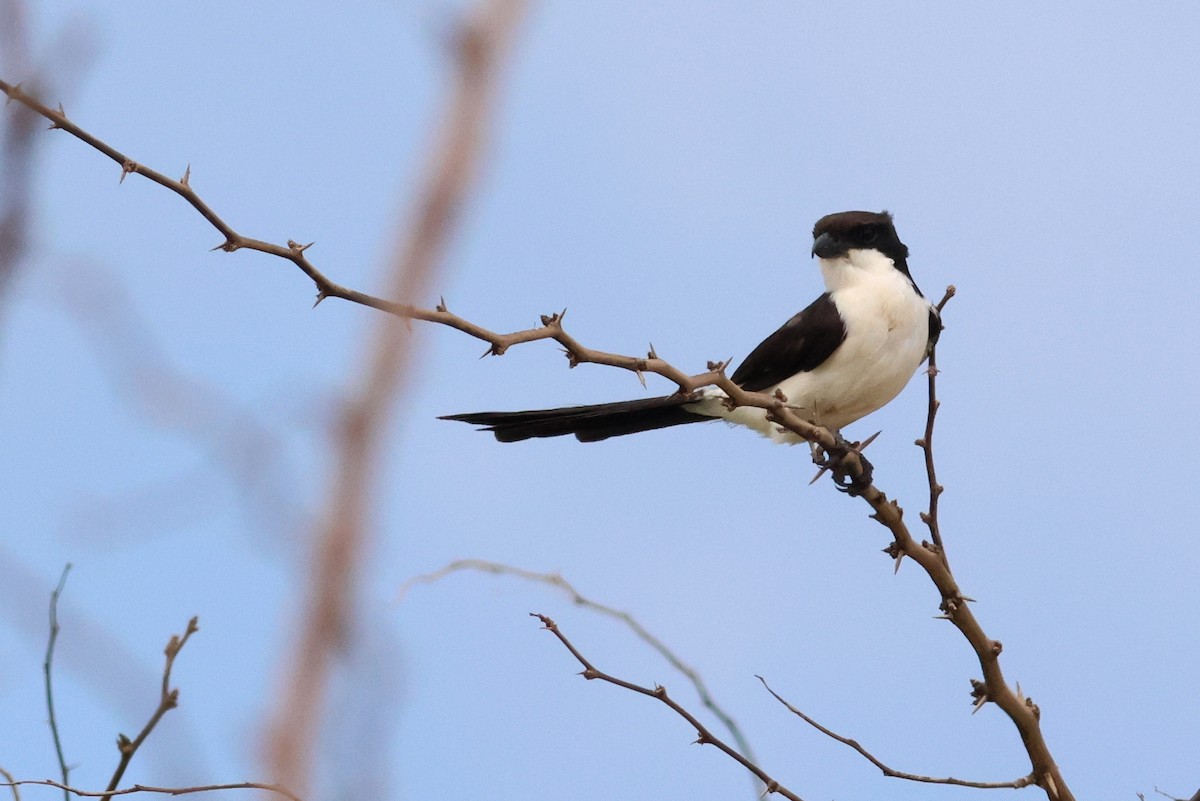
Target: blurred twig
{"x": 47, "y": 664}
{"x": 579, "y": 599}
{"x": 12, "y": 784}
{"x": 168, "y": 700}
{"x": 480, "y": 45}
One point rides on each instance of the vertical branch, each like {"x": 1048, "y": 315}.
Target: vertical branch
{"x": 46, "y": 669}
{"x": 930, "y": 518}
{"x": 168, "y": 699}
{"x": 16, "y": 150}
{"x": 479, "y": 46}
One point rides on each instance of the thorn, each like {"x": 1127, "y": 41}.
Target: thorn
{"x": 652, "y": 354}
{"x": 1051, "y": 787}
{"x": 442, "y": 304}
{"x": 228, "y": 246}
{"x": 966, "y": 598}
{"x": 941, "y": 617}
{"x": 867, "y": 443}
{"x": 127, "y": 167}
{"x": 899, "y": 559}
{"x": 641, "y": 377}
{"x": 53, "y": 126}
{"x": 983, "y": 699}
{"x": 297, "y": 248}
{"x": 187, "y": 174}
{"x": 820, "y": 473}
{"x": 320, "y": 297}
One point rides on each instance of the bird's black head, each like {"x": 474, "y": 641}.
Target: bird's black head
{"x": 837, "y": 234}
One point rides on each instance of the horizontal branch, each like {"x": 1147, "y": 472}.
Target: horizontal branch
{"x": 146, "y": 788}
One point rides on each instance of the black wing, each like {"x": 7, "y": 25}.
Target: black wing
{"x": 801, "y": 344}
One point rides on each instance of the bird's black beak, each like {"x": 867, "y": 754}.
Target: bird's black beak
{"x": 827, "y": 246}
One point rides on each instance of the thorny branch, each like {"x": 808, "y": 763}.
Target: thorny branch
{"x": 147, "y": 788}
{"x": 168, "y": 700}
{"x": 703, "y": 735}
{"x": 930, "y": 518}
{"x": 1024, "y": 781}
{"x": 47, "y": 664}
{"x": 579, "y": 599}
{"x": 849, "y": 468}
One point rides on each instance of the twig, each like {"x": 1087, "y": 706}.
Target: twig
{"x": 481, "y": 43}
{"x": 12, "y": 784}
{"x": 930, "y": 518}
{"x": 146, "y": 788}
{"x": 46, "y": 670}
{"x": 168, "y": 700}
{"x": 703, "y": 735}
{"x": 557, "y": 581}
{"x": 1024, "y": 781}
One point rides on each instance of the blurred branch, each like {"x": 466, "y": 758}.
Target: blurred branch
{"x": 1024, "y": 781}
{"x": 12, "y": 784}
{"x": 557, "y": 581}
{"x": 16, "y": 151}
{"x": 703, "y": 735}
{"x": 47, "y": 664}
{"x": 146, "y": 788}
{"x": 168, "y": 700}
{"x": 480, "y": 44}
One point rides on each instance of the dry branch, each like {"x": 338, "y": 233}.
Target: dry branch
{"x": 168, "y": 699}
{"x": 147, "y": 788}
{"x": 1024, "y": 781}
{"x": 703, "y": 735}
{"x": 47, "y": 666}
{"x": 579, "y": 599}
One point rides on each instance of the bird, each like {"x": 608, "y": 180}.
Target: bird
{"x": 846, "y": 355}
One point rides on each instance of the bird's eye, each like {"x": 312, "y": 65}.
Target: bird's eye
{"x": 868, "y": 234}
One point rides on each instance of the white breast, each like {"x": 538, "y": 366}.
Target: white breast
{"x": 887, "y": 331}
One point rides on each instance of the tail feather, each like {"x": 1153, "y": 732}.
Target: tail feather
{"x": 587, "y": 423}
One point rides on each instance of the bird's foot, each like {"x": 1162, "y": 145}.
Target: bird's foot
{"x": 852, "y": 471}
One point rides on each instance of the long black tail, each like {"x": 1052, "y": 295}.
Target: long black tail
{"x": 587, "y": 423}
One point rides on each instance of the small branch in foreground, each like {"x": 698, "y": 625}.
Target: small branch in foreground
{"x": 47, "y": 665}
{"x": 557, "y": 581}
{"x": 168, "y": 700}
{"x": 703, "y": 735}
{"x": 146, "y": 788}
{"x": 1024, "y": 781}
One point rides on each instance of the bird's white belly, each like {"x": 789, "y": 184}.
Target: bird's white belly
{"x": 887, "y": 331}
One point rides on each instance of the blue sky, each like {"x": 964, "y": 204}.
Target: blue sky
{"x": 656, "y": 169}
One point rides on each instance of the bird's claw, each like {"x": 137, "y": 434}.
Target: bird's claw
{"x": 852, "y": 472}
